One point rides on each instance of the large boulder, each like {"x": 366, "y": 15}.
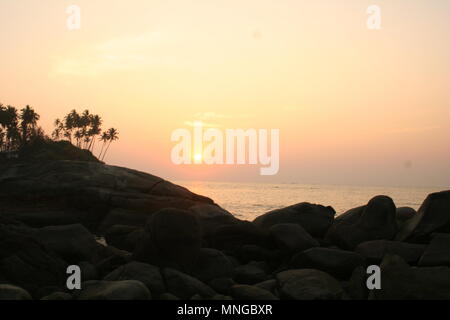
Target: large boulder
{"x": 212, "y": 264}
{"x": 308, "y": 284}
{"x": 230, "y": 238}
{"x": 124, "y": 237}
{"x": 211, "y": 217}
{"x": 149, "y": 275}
{"x": 10, "y": 292}
{"x": 246, "y": 292}
{"x": 27, "y": 263}
{"x": 375, "y": 250}
{"x": 399, "y": 281}
{"x": 184, "y": 286}
{"x": 292, "y": 237}
{"x": 374, "y": 221}
{"x": 113, "y": 290}
{"x": 338, "y": 263}
{"x": 432, "y": 216}
{"x": 437, "y": 253}
{"x": 43, "y": 193}
{"x": 172, "y": 238}
{"x": 73, "y": 243}
{"x": 315, "y": 219}
{"x": 403, "y": 214}
{"x": 251, "y": 273}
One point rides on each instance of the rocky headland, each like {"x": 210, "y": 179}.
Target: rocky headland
{"x": 160, "y": 241}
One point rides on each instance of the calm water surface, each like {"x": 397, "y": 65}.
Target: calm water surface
{"x": 249, "y": 200}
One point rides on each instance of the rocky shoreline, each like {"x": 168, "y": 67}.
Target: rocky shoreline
{"x": 164, "y": 242}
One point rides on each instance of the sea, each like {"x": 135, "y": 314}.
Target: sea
{"x": 249, "y": 200}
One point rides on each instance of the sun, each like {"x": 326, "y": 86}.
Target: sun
{"x": 198, "y": 157}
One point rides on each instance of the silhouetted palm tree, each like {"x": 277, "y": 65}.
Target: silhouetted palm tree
{"x": 113, "y": 135}
{"x": 95, "y": 129}
{"x": 104, "y": 137}
{"x": 28, "y": 124}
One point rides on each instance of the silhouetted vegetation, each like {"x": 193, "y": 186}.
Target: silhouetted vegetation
{"x": 21, "y": 135}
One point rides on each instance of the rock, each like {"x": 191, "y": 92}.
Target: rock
{"x": 230, "y": 238}
{"x": 44, "y": 193}
{"x": 172, "y": 238}
{"x": 222, "y": 285}
{"x": 403, "y": 214}
{"x": 315, "y": 219}
{"x": 27, "y": 263}
{"x": 58, "y": 296}
{"x": 308, "y": 284}
{"x": 433, "y": 216}
{"x": 73, "y": 243}
{"x": 168, "y": 296}
{"x": 149, "y": 275}
{"x": 374, "y": 221}
{"x": 88, "y": 271}
{"x": 10, "y": 292}
{"x": 399, "y": 281}
{"x": 113, "y": 290}
{"x": 114, "y": 259}
{"x": 375, "y": 250}
{"x": 250, "y": 252}
{"x": 292, "y": 237}
{"x": 251, "y": 273}
{"x": 356, "y": 287}
{"x": 338, "y": 263}
{"x": 246, "y": 292}
{"x": 437, "y": 253}
{"x": 211, "y": 217}
{"x": 184, "y": 286}
{"x": 269, "y": 285}
{"x": 211, "y": 264}
{"x": 124, "y": 237}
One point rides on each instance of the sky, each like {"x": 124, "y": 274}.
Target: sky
{"x": 353, "y": 105}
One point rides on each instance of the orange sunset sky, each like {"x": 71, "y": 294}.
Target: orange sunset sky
{"x": 353, "y": 105}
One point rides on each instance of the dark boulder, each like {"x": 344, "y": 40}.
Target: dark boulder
{"x": 437, "y": 253}
{"x": 432, "y": 216}
{"x": 308, "y": 284}
{"x": 399, "y": 281}
{"x": 246, "y": 292}
{"x": 374, "y": 221}
{"x": 338, "y": 263}
{"x": 172, "y": 238}
{"x": 292, "y": 237}
{"x": 375, "y": 250}
{"x": 230, "y": 238}
{"x": 113, "y": 290}
{"x": 184, "y": 286}
{"x": 27, "y": 263}
{"x": 251, "y": 273}
{"x": 10, "y": 292}
{"x": 124, "y": 237}
{"x": 212, "y": 264}
{"x": 149, "y": 275}
{"x": 403, "y": 214}
{"x": 73, "y": 243}
{"x": 315, "y": 219}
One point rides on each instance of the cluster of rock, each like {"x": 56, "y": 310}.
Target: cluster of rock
{"x": 164, "y": 242}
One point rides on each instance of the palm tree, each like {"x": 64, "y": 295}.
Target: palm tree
{"x": 104, "y": 137}
{"x": 28, "y": 124}
{"x": 95, "y": 129}
{"x": 59, "y": 128}
{"x": 11, "y": 119}
{"x": 113, "y": 136}
{"x": 71, "y": 121}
